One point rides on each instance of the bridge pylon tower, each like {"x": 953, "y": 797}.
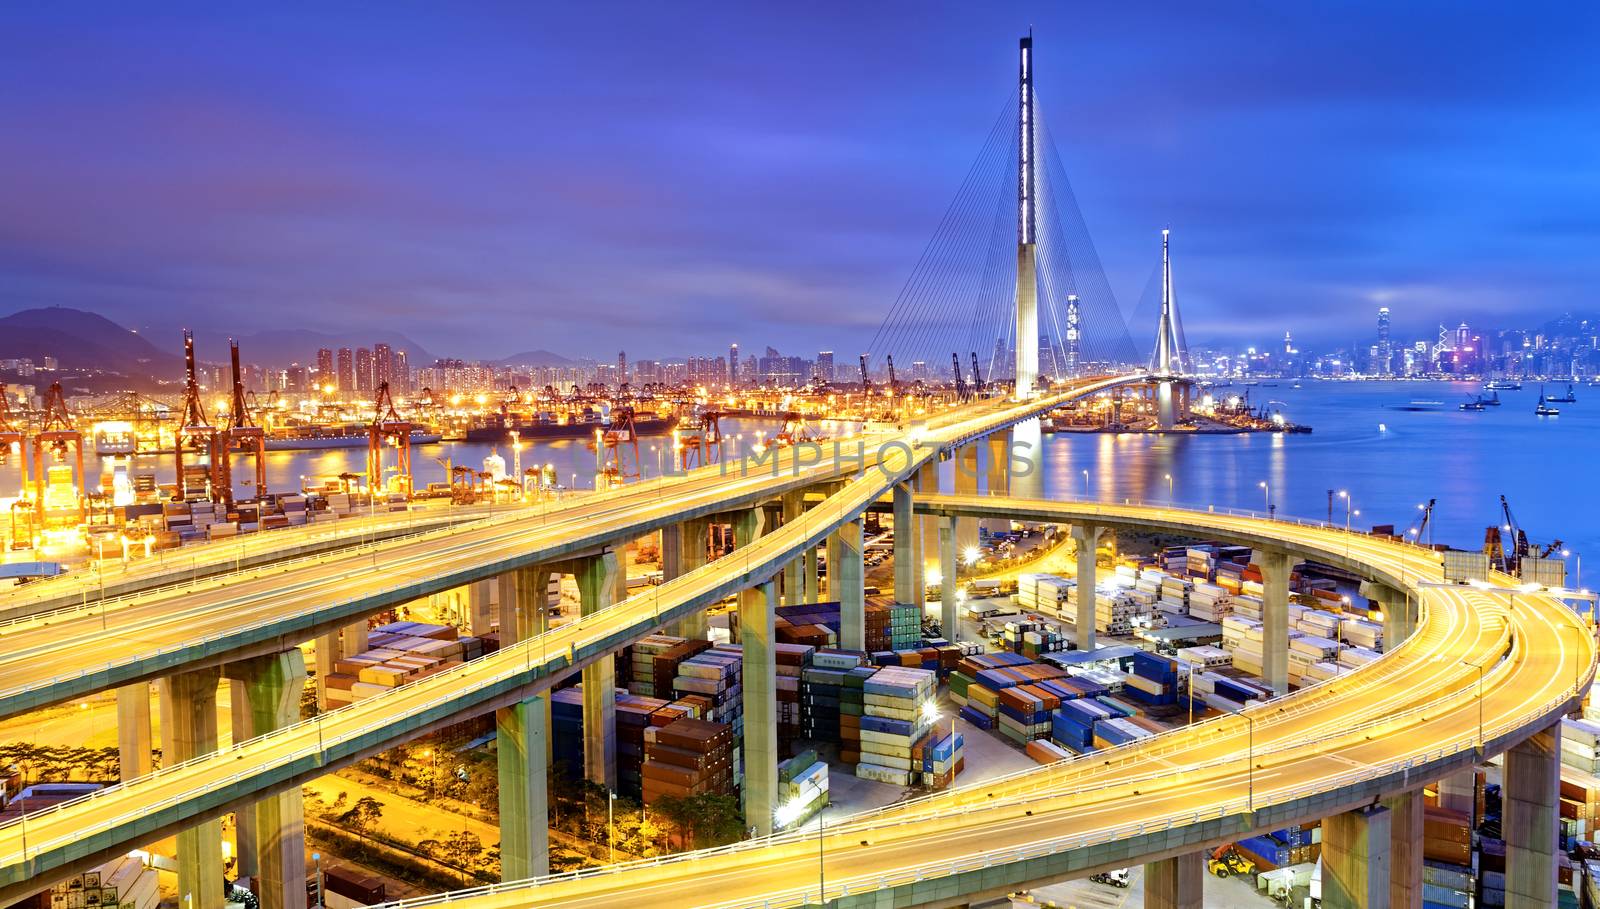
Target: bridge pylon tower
{"x": 1027, "y": 334}
{"x": 1166, "y": 359}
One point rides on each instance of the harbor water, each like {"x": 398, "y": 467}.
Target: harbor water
{"x": 1388, "y": 460}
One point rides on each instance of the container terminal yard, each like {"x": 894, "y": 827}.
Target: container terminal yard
{"x": 858, "y": 656}
{"x": 616, "y": 638}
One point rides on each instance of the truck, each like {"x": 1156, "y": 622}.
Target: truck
{"x": 1116, "y": 877}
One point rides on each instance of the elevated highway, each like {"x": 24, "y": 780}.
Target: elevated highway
{"x": 180, "y": 571}
{"x": 1481, "y": 673}
{"x": 178, "y": 797}
{"x": 56, "y": 657}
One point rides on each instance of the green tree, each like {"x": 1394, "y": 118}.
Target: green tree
{"x": 363, "y": 817}
{"x": 461, "y": 849}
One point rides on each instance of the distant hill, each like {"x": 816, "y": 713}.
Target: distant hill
{"x": 84, "y": 341}
{"x": 535, "y": 358}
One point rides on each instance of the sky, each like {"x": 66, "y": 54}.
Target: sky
{"x": 668, "y": 178}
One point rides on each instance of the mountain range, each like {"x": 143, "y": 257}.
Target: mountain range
{"x": 82, "y": 340}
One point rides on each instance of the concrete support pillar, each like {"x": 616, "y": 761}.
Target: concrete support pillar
{"x": 1275, "y": 570}
{"x": 1405, "y": 850}
{"x": 597, "y": 586}
{"x": 353, "y": 639}
{"x": 1166, "y": 406}
{"x": 189, "y": 729}
{"x": 794, "y": 506}
{"x": 265, "y": 692}
{"x": 760, "y": 680}
{"x": 619, "y": 581}
{"x": 1355, "y": 859}
{"x": 522, "y": 736}
{"x": 907, "y": 560}
{"x": 522, "y": 750}
{"x": 1087, "y": 537}
{"x": 1175, "y": 883}
{"x": 524, "y": 603}
{"x": 1399, "y": 613}
{"x": 1458, "y": 792}
{"x": 1531, "y": 790}
{"x": 325, "y": 650}
{"x": 966, "y": 484}
{"x": 997, "y": 481}
{"x": 949, "y": 624}
{"x": 480, "y": 605}
{"x": 811, "y": 591}
{"x": 846, "y": 577}
{"x": 685, "y": 553}
{"x": 1027, "y": 460}
{"x": 133, "y": 730}
{"x": 927, "y": 482}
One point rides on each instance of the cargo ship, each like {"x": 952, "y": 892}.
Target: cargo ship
{"x": 497, "y": 429}
{"x": 312, "y": 438}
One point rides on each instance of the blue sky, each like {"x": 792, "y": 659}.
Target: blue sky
{"x": 668, "y": 178}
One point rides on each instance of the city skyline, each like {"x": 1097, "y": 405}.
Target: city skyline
{"x": 1289, "y": 175}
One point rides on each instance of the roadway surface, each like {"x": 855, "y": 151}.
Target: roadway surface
{"x": 1418, "y": 706}
{"x": 181, "y": 569}
{"x": 1418, "y": 703}
{"x": 56, "y": 657}
{"x": 51, "y": 843}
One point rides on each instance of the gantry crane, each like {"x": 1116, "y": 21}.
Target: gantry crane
{"x": 1510, "y": 559}
{"x": 13, "y": 437}
{"x": 701, "y": 444}
{"x": 612, "y": 447}
{"x": 195, "y": 434}
{"x": 961, "y": 386}
{"x": 977, "y": 377}
{"x": 61, "y": 438}
{"x": 388, "y": 426}
{"x": 240, "y": 435}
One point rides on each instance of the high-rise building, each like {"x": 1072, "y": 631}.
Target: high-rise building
{"x": 1385, "y": 352}
{"x": 622, "y": 367}
{"x": 382, "y": 365}
{"x": 824, "y": 367}
{"x": 325, "y": 374}
{"x": 733, "y": 365}
{"x": 347, "y": 370}
{"x": 364, "y": 371}
{"x": 402, "y": 371}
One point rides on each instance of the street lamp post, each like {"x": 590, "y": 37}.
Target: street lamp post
{"x": 1266, "y": 497}
{"x": 1170, "y": 499}
{"x": 1085, "y": 483}
{"x": 316, "y": 858}
{"x": 611, "y": 836}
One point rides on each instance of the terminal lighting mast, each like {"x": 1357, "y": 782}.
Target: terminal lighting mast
{"x": 1027, "y": 335}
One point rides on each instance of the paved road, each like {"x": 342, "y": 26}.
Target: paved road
{"x": 183, "y": 569}
{"x": 134, "y": 812}
{"x": 50, "y": 660}
{"x": 1414, "y": 703}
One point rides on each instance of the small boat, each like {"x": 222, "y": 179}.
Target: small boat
{"x": 1568, "y": 398}
{"x": 1493, "y": 400}
{"x": 1502, "y": 385}
{"x": 1417, "y": 405}
{"x": 1475, "y": 404}
{"x": 1543, "y": 409}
